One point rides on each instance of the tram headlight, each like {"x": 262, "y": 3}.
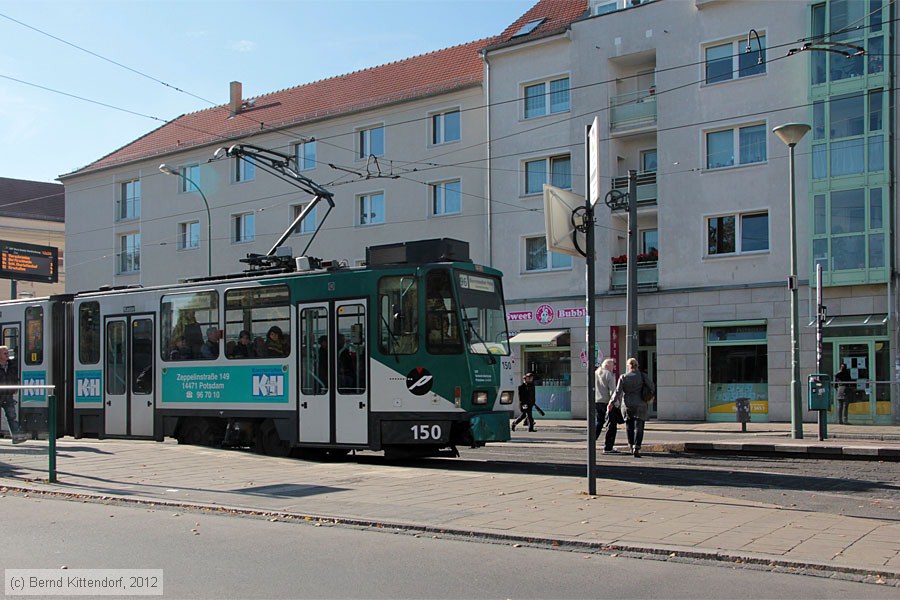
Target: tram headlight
{"x": 479, "y": 398}
{"x": 506, "y": 397}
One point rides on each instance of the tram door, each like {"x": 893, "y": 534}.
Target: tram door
{"x": 10, "y": 333}
{"x": 333, "y": 398}
{"x": 351, "y": 359}
{"x": 129, "y": 391}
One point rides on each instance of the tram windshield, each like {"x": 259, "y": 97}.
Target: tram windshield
{"x": 484, "y": 321}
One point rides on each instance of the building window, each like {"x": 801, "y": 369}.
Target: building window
{"x": 848, "y": 135}
{"x": 445, "y": 198}
{"x": 849, "y": 232}
{"x": 445, "y": 127}
{"x": 244, "y": 169}
{"x": 730, "y": 60}
{"x": 546, "y": 98}
{"x": 371, "y": 209}
{"x": 555, "y": 170}
{"x": 191, "y": 172}
{"x": 308, "y": 225}
{"x": 648, "y": 161}
{"x": 130, "y": 200}
{"x": 737, "y": 364}
{"x": 306, "y": 156}
{"x": 649, "y": 241}
{"x": 189, "y": 235}
{"x": 129, "y": 253}
{"x": 371, "y": 142}
{"x": 737, "y": 234}
{"x": 243, "y": 227}
{"x": 748, "y": 144}
{"x": 537, "y": 258}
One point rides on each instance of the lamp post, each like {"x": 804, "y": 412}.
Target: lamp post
{"x": 791, "y": 134}
{"x": 164, "y": 168}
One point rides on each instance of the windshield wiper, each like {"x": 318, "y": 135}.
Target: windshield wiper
{"x": 471, "y": 329}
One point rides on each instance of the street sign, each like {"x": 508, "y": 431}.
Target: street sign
{"x": 28, "y": 262}
{"x": 594, "y": 162}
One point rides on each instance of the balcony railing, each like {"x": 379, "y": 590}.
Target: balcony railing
{"x": 646, "y": 186}
{"x": 632, "y": 109}
{"x": 647, "y": 276}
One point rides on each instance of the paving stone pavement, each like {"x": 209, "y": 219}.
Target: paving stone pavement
{"x": 512, "y": 506}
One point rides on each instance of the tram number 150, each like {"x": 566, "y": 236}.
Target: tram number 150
{"x": 415, "y": 432}
{"x": 426, "y": 432}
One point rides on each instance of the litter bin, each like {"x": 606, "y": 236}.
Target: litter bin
{"x": 742, "y": 412}
{"x": 819, "y": 397}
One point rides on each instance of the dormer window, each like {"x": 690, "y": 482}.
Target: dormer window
{"x": 529, "y": 27}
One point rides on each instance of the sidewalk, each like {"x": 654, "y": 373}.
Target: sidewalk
{"x": 439, "y": 499}
{"x": 859, "y": 442}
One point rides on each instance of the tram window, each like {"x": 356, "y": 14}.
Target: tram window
{"x": 441, "y": 323}
{"x": 89, "y": 333}
{"x": 350, "y": 351}
{"x": 34, "y": 335}
{"x": 314, "y": 350}
{"x": 183, "y": 321}
{"x": 258, "y": 322}
{"x": 11, "y": 341}
{"x": 115, "y": 358}
{"x": 398, "y": 319}
{"x": 142, "y": 356}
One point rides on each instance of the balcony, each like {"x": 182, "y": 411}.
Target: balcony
{"x": 632, "y": 109}
{"x": 647, "y": 276}
{"x": 646, "y": 186}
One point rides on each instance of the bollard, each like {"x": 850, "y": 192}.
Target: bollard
{"x": 51, "y": 442}
{"x": 742, "y": 412}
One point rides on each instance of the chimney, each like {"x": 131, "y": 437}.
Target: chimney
{"x": 236, "y": 99}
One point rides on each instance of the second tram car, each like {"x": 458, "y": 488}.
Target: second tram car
{"x": 401, "y": 356}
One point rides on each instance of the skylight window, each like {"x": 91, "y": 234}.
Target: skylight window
{"x": 529, "y": 27}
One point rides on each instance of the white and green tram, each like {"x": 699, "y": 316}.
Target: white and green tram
{"x": 401, "y": 355}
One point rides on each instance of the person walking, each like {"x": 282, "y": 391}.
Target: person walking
{"x": 630, "y": 393}
{"x": 9, "y": 375}
{"x": 527, "y": 402}
{"x": 844, "y": 393}
{"x": 606, "y": 405}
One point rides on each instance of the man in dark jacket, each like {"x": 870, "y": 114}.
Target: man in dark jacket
{"x": 843, "y": 379}
{"x": 9, "y": 375}
{"x": 527, "y": 402}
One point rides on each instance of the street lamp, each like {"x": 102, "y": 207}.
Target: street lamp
{"x": 791, "y": 134}
{"x": 164, "y": 168}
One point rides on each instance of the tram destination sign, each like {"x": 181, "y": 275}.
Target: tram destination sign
{"x": 29, "y": 262}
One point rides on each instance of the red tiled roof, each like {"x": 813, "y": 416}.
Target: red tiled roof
{"x": 420, "y": 76}
{"x": 557, "y": 15}
{"x": 23, "y": 199}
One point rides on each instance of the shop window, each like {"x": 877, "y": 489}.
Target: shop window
{"x": 737, "y": 367}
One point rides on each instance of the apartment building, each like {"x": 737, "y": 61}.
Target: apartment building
{"x": 459, "y": 142}
{"x": 687, "y": 95}
{"x": 379, "y": 139}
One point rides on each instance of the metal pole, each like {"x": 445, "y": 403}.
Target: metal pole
{"x": 208, "y": 225}
{"x": 13, "y": 292}
{"x": 51, "y": 442}
{"x": 793, "y": 283}
{"x": 589, "y": 322}
{"x": 631, "y": 293}
{"x": 823, "y": 415}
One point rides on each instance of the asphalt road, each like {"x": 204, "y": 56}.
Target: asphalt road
{"x": 205, "y": 554}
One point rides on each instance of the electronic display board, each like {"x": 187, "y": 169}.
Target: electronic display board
{"x": 29, "y": 262}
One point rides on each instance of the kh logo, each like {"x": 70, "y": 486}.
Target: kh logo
{"x": 34, "y": 393}
{"x": 268, "y": 385}
{"x": 419, "y": 380}
{"x": 88, "y": 387}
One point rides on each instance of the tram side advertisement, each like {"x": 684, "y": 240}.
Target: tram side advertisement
{"x": 253, "y": 384}
{"x": 29, "y": 262}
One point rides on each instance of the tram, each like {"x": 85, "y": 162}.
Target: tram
{"x": 401, "y": 355}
